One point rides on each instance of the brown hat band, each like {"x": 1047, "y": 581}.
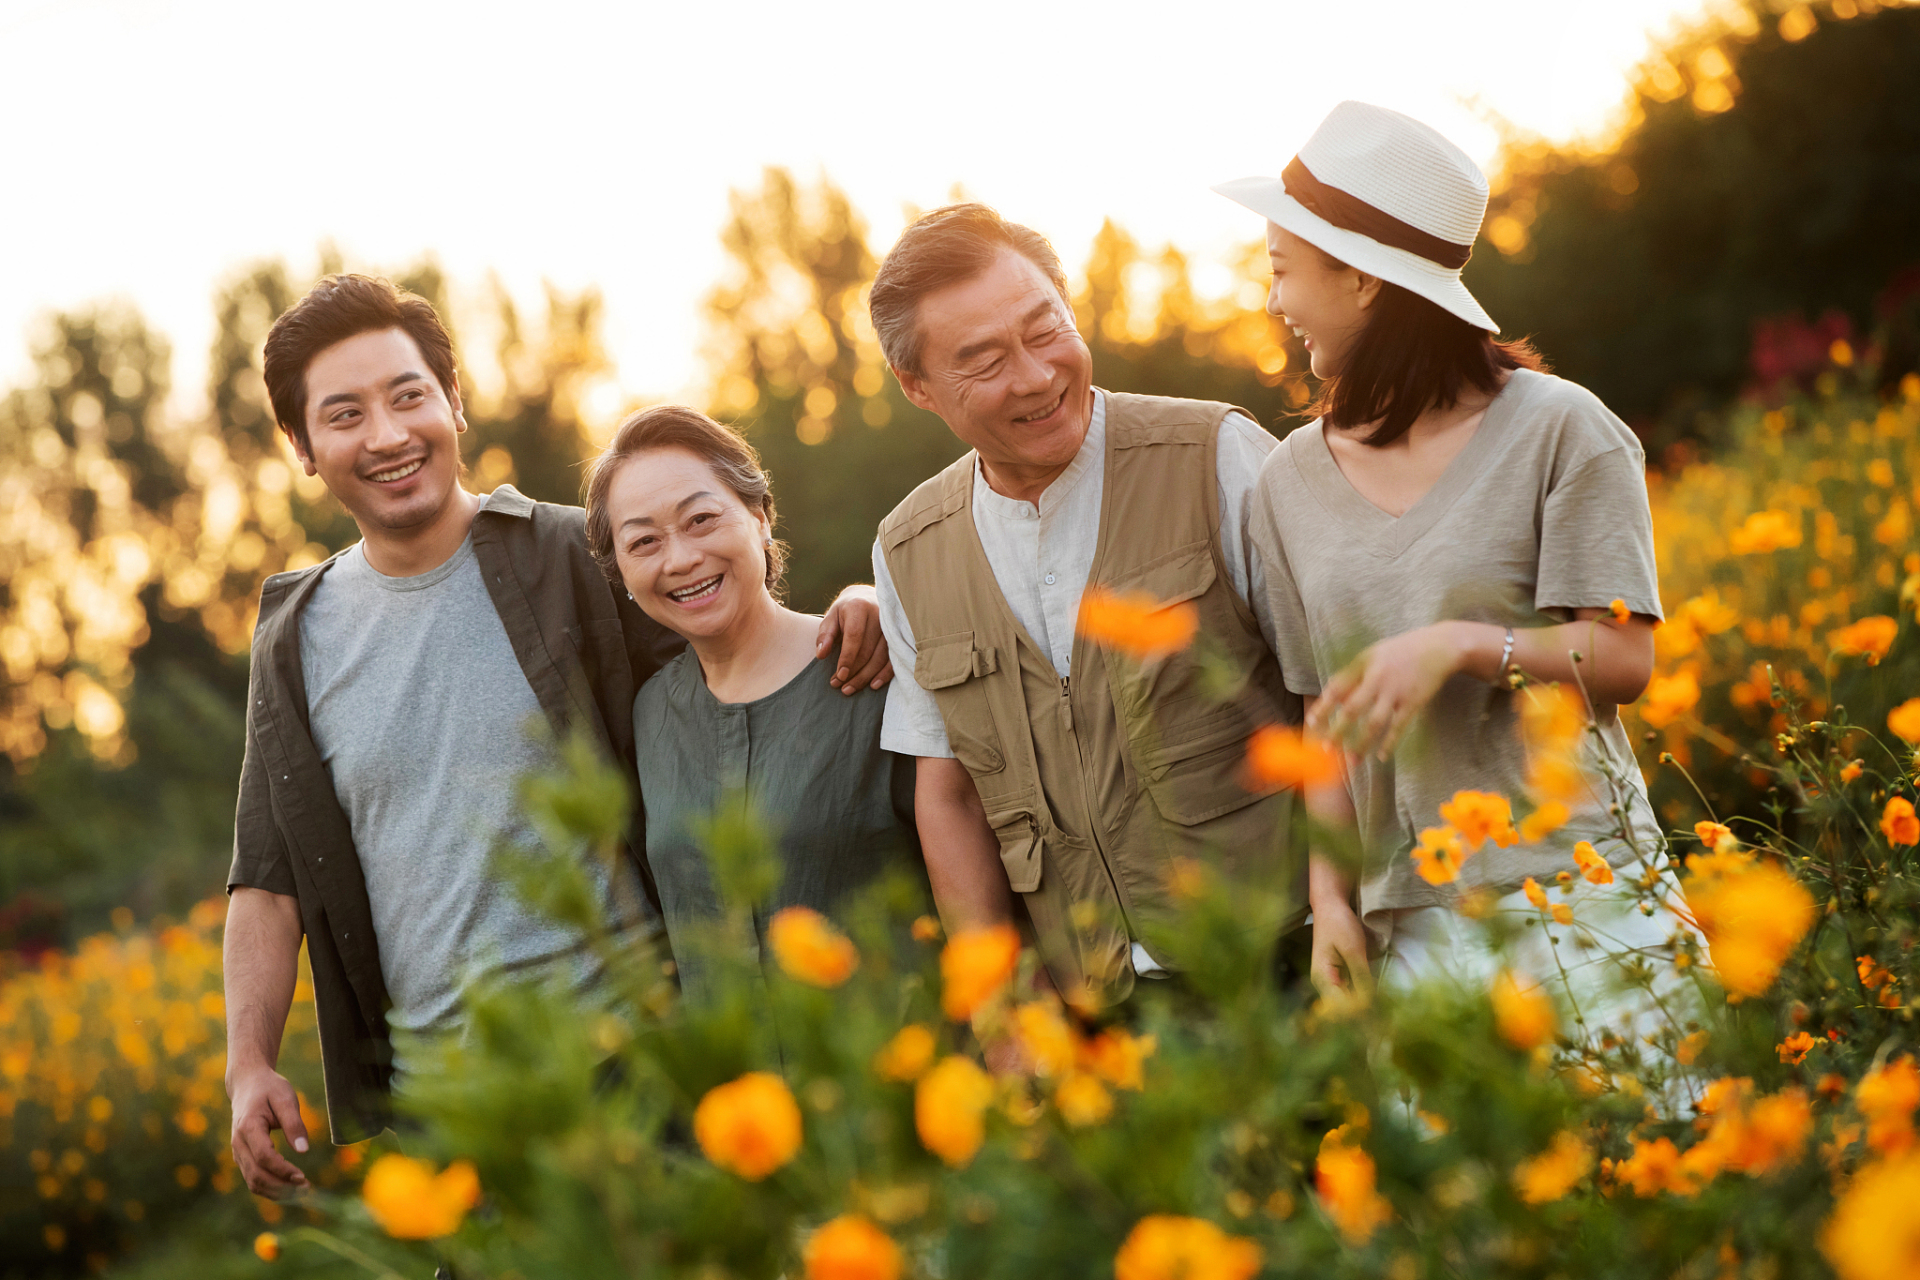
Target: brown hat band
{"x": 1350, "y": 213}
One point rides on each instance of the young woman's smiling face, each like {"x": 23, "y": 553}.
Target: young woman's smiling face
{"x": 1326, "y": 305}
{"x": 688, "y": 549}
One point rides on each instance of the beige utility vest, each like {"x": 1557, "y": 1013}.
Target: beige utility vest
{"x": 1061, "y": 765}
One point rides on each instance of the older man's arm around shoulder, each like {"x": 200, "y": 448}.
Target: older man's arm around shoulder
{"x": 963, "y": 856}
{"x": 261, "y": 959}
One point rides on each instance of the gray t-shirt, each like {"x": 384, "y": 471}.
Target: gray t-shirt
{"x": 426, "y": 724}
{"x": 1544, "y": 511}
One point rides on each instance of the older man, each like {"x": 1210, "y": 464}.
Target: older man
{"x": 1035, "y": 747}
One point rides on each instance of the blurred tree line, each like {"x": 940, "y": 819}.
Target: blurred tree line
{"x": 1752, "y": 212}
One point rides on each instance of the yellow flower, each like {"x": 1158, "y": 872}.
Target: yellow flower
{"x": 1795, "y": 1048}
{"x": 1137, "y": 624}
{"x": 1869, "y": 638}
{"x": 1543, "y": 822}
{"x": 1535, "y": 894}
{"x": 412, "y": 1202}
{"x": 1438, "y": 855}
{"x": 1480, "y": 816}
{"x": 1887, "y": 1096}
{"x": 808, "y": 947}
{"x": 1118, "y": 1057}
{"x": 266, "y": 1246}
{"x": 1165, "y": 1247}
{"x": 1715, "y": 835}
{"x": 1898, "y": 823}
{"x": 1753, "y": 914}
{"x": 1669, "y": 697}
{"x": 749, "y": 1126}
{"x": 949, "y": 1109}
{"x": 974, "y": 966}
{"x": 1044, "y": 1034}
{"x": 1874, "y": 1234}
{"x": 1555, "y": 1171}
{"x": 851, "y": 1248}
{"x": 1765, "y": 531}
{"x": 1523, "y": 1014}
{"x": 1082, "y": 1100}
{"x": 1591, "y": 864}
{"x": 1904, "y": 720}
{"x": 1282, "y": 756}
{"x": 1345, "y": 1178}
{"x": 907, "y": 1056}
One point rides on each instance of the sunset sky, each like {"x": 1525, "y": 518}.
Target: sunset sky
{"x": 150, "y": 148}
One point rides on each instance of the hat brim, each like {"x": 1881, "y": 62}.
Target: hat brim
{"x": 1268, "y": 197}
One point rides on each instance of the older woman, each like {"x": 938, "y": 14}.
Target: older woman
{"x": 680, "y": 513}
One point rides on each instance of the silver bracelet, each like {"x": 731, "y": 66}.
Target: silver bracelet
{"x": 1506, "y": 655}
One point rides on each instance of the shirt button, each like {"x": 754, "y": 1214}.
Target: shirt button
{"x": 1049, "y": 579}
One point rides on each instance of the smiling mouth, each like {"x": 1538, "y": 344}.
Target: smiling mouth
{"x": 1045, "y": 413}
{"x": 698, "y": 591}
{"x": 397, "y": 473}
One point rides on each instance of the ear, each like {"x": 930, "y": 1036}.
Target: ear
{"x": 306, "y": 462}
{"x": 453, "y": 399}
{"x": 918, "y": 392}
{"x": 1365, "y": 289}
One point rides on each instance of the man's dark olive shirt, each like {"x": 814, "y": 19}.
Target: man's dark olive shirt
{"x": 585, "y": 650}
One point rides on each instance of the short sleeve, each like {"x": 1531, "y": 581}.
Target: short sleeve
{"x": 1596, "y": 538}
{"x": 259, "y": 853}
{"x": 1278, "y": 607}
{"x": 912, "y": 725}
{"x": 1241, "y": 448}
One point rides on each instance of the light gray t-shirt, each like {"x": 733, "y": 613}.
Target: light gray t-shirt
{"x": 1544, "y": 511}
{"x": 422, "y": 716}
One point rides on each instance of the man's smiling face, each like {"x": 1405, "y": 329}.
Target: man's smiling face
{"x": 382, "y": 432}
{"x": 1003, "y": 365}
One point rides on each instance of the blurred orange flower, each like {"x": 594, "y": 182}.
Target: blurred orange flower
{"x": 851, "y": 1248}
{"x": 1480, "y": 816}
{"x": 1438, "y": 855}
{"x": 412, "y": 1202}
{"x": 1887, "y": 1096}
{"x": 907, "y": 1056}
{"x": 1535, "y": 894}
{"x": 1561, "y": 913}
{"x": 1283, "y": 756}
{"x": 949, "y": 1109}
{"x": 1523, "y": 1014}
{"x": 1869, "y": 638}
{"x": 1136, "y": 624}
{"x": 749, "y": 1126}
{"x": 926, "y": 929}
{"x": 1874, "y": 1234}
{"x": 1555, "y": 1171}
{"x": 808, "y": 947}
{"x": 1082, "y": 1100}
{"x": 1753, "y": 913}
{"x": 266, "y": 1246}
{"x": 1162, "y": 1246}
{"x": 1669, "y": 697}
{"x": 1619, "y": 611}
{"x": 1546, "y": 819}
{"x": 1765, "y": 531}
{"x": 1651, "y": 1168}
{"x": 1591, "y": 864}
{"x": 1795, "y": 1048}
{"x": 1345, "y": 1178}
{"x": 1118, "y": 1057}
{"x": 1714, "y": 835}
{"x": 1851, "y": 770}
{"x": 1044, "y": 1034}
{"x": 1898, "y": 823}
{"x": 975, "y": 966}
{"x": 1904, "y": 720}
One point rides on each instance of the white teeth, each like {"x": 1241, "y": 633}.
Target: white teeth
{"x": 697, "y": 590}
{"x": 399, "y": 473}
{"x": 1044, "y": 413}
{"x": 1298, "y": 332}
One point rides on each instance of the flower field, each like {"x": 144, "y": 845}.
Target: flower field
{"x": 830, "y": 1115}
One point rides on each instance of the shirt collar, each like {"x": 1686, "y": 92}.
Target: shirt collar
{"x": 508, "y": 501}
{"x": 1092, "y": 453}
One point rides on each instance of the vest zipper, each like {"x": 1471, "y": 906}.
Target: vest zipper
{"x": 1066, "y": 701}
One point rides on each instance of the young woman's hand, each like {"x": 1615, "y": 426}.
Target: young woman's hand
{"x": 1369, "y": 702}
{"x": 1339, "y": 961}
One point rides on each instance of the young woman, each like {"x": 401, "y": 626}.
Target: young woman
{"x": 1454, "y": 515}
{"x": 679, "y": 512}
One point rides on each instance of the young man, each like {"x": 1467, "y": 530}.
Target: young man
{"x": 1048, "y": 768}
{"x": 393, "y": 689}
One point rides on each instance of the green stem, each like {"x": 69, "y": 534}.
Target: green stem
{"x": 338, "y": 1246}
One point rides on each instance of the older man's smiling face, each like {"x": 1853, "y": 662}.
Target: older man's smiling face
{"x": 1003, "y": 366}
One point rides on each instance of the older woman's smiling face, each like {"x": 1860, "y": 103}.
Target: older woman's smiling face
{"x": 689, "y": 550}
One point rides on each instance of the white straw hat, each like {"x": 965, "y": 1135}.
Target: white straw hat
{"x": 1385, "y": 194}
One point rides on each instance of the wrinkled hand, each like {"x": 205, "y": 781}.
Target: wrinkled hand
{"x": 264, "y": 1101}
{"x": 1339, "y": 962}
{"x": 854, "y": 621}
{"x": 1371, "y": 701}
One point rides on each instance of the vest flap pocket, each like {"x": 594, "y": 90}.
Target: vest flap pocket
{"x": 944, "y": 666}
{"x": 1185, "y": 573}
{"x": 1202, "y": 778}
{"x": 945, "y": 661}
{"x": 1020, "y": 849}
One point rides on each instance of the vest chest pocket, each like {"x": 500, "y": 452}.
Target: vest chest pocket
{"x": 950, "y": 667}
{"x": 1185, "y": 573}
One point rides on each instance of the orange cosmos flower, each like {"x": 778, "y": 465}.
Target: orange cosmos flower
{"x": 749, "y": 1126}
{"x": 1136, "y": 624}
{"x": 1522, "y": 1012}
{"x": 1714, "y": 835}
{"x": 1082, "y": 1100}
{"x": 1753, "y": 914}
{"x": 1904, "y": 720}
{"x": 1795, "y": 1048}
{"x": 1283, "y": 756}
{"x": 1480, "y": 816}
{"x": 1118, "y": 1057}
{"x": 1669, "y": 697}
{"x": 851, "y": 1248}
{"x": 1873, "y": 975}
{"x": 1887, "y": 1096}
{"x": 1774, "y": 1132}
{"x": 907, "y": 1056}
{"x": 1898, "y": 823}
{"x": 1652, "y": 1168}
{"x": 949, "y": 1109}
{"x": 412, "y": 1202}
{"x": 1552, "y": 718}
{"x": 1619, "y": 611}
{"x": 1044, "y": 1034}
{"x": 1690, "y": 1047}
{"x": 1851, "y": 770}
{"x": 1162, "y": 1246}
{"x": 1555, "y": 1171}
{"x": 1765, "y": 531}
{"x": 1561, "y": 913}
{"x": 1874, "y": 1233}
{"x": 1869, "y": 638}
{"x": 266, "y": 1246}
{"x": 1543, "y": 822}
{"x": 975, "y": 966}
{"x": 1438, "y": 855}
{"x": 926, "y": 929}
{"x": 1591, "y": 864}
{"x": 1535, "y": 894}
{"x": 808, "y": 947}
{"x": 1346, "y": 1180}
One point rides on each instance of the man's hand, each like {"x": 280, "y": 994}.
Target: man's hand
{"x": 854, "y": 621}
{"x": 263, "y": 1101}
